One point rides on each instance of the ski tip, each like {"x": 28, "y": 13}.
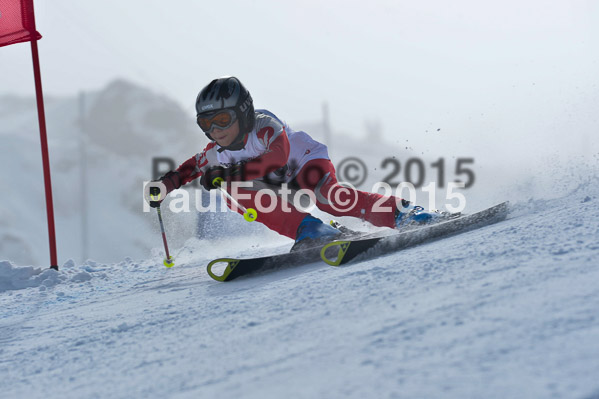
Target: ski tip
{"x": 230, "y": 265}
{"x": 341, "y": 247}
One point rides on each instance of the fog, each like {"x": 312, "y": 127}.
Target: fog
{"x": 496, "y": 78}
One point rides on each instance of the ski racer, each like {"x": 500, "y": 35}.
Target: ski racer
{"x": 256, "y": 146}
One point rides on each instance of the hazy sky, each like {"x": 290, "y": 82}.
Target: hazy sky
{"x": 485, "y": 73}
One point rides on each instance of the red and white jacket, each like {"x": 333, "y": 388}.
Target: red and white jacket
{"x": 271, "y": 149}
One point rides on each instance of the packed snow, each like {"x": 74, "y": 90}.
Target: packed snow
{"x": 509, "y": 310}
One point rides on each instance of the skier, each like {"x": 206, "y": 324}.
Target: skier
{"x": 255, "y": 146}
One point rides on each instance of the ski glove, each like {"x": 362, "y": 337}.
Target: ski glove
{"x": 231, "y": 174}
{"x": 171, "y": 180}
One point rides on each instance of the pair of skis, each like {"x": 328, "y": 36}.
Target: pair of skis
{"x": 339, "y": 252}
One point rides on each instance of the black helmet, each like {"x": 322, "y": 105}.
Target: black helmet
{"x": 228, "y": 93}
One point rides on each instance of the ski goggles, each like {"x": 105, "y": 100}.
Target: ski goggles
{"x": 222, "y": 119}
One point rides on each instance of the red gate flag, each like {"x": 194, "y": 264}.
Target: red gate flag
{"x": 17, "y": 23}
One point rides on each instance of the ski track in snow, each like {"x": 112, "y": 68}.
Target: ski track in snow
{"x": 509, "y": 310}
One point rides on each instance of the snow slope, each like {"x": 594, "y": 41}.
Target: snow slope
{"x": 507, "y": 311}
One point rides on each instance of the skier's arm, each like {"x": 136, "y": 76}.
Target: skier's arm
{"x": 275, "y": 157}
{"x": 189, "y": 170}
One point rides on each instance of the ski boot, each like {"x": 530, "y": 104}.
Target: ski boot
{"x": 312, "y": 232}
{"x": 413, "y": 215}
{"x": 346, "y": 232}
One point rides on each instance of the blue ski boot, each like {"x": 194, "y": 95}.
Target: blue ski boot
{"x": 312, "y": 231}
{"x": 413, "y": 215}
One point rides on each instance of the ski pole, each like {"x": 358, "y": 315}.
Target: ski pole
{"x": 249, "y": 214}
{"x": 168, "y": 261}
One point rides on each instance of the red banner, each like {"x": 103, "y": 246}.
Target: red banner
{"x": 17, "y": 22}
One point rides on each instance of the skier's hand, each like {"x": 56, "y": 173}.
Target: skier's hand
{"x": 171, "y": 181}
{"x": 234, "y": 173}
